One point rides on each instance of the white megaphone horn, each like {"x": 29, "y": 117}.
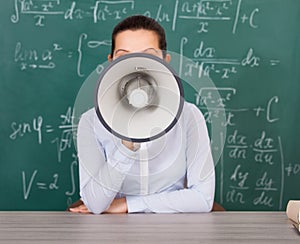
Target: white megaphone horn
{"x": 138, "y": 97}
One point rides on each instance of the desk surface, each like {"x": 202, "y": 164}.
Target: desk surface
{"x": 215, "y": 227}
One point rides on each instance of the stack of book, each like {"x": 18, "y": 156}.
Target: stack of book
{"x": 293, "y": 212}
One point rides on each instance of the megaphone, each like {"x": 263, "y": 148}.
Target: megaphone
{"x": 138, "y": 97}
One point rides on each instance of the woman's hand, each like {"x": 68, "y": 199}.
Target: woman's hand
{"x": 80, "y": 209}
{"x": 118, "y": 205}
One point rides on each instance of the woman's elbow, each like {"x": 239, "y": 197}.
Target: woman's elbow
{"x": 206, "y": 206}
{"x": 94, "y": 207}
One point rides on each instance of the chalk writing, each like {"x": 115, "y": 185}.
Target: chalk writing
{"x": 264, "y": 149}
{"x": 208, "y": 97}
{"x": 34, "y": 182}
{"x": 206, "y": 12}
{"x": 161, "y": 14}
{"x": 238, "y": 179}
{"x": 27, "y": 186}
{"x": 23, "y": 128}
{"x": 237, "y": 145}
{"x": 205, "y": 62}
{"x": 213, "y": 100}
{"x": 90, "y": 44}
{"x": 292, "y": 169}
{"x": 65, "y": 140}
{"x": 100, "y": 11}
{"x": 73, "y": 180}
{"x": 39, "y": 185}
{"x": 34, "y": 59}
{"x": 266, "y": 186}
{"x": 38, "y": 127}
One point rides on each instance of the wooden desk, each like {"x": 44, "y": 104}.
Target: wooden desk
{"x": 215, "y": 227}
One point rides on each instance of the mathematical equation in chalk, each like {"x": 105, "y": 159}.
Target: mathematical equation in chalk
{"x": 267, "y": 154}
{"x": 204, "y": 62}
{"x": 204, "y": 12}
{"x": 214, "y": 100}
{"x": 34, "y": 59}
{"x": 95, "y": 10}
{"x": 263, "y": 148}
{"x": 265, "y": 191}
{"x": 204, "y": 59}
{"x": 207, "y": 12}
{"x": 37, "y": 127}
{"x": 31, "y": 181}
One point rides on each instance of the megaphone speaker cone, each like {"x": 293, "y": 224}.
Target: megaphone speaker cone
{"x": 139, "y": 88}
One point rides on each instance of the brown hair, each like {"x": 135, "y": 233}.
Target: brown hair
{"x": 137, "y": 22}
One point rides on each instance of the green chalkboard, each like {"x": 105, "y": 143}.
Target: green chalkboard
{"x": 249, "y": 49}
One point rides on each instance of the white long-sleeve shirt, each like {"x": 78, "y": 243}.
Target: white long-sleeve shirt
{"x": 174, "y": 173}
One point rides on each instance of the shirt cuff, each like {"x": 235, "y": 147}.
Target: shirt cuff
{"x": 136, "y": 204}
